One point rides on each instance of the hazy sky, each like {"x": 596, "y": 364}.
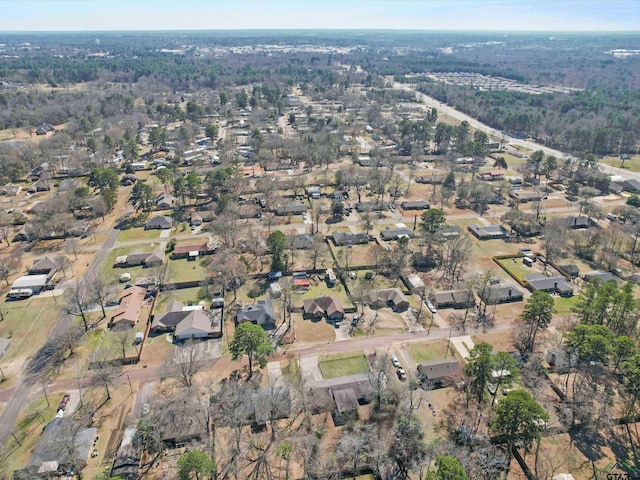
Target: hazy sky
{"x": 557, "y": 15}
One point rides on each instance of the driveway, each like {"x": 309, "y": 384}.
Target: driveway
{"x": 310, "y": 368}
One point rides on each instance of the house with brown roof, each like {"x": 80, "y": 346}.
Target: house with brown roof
{"x": 128, "y": 312}
{"x": 329, "y": 306}
{"x": 390, "y": 297}
{"x": 147, "y": 259}
{"x": 437, "y": 371}
{"x": 43, "y": 266}
{"x": 189, "y": 251}
{"x": 453, "y": 299}
{"x": 188, "y": 322}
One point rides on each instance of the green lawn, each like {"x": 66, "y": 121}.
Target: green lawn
{"x": 564, "y": 305}
{"x": 517, "y": 269}
{"x": 138, "y": 234}
{"x": 184, "y": 295}
{"x": 632, "y": 165}
{"x": 27, "y": 324}
{"x": 424, "y": 352}
{"x": 334, "y": 366}
{"x": 184, "y": 270}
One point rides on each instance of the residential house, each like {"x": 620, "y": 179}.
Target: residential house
{"x": 128, "y": 179}
{"x": 390, "y": 297}
{"x": 49, "y": 460}
{"x": 341, "y": 396}
{"x": 493, "y": 175}
{"x": 190, "y": 251}
{"x": 431, "y": 179}
{"x": 487, "y": 232}
{"x": 10, "y": 190}
{"x": 453, "y": 299}
{"x": 494, "y": 294}
{"x": 437, "y": 372}
{"x": 188, "y": 321}
{"x": 127, "y": 461}
{"x": 415, "y": 205}
{"x": 260, "y": 313}
{"x": 371, "y": 206}
{"x": 447, "y": 232}
{"x": 300, "y": 242}
{"x": 575, "y": 222}
{"x": 616, "y": 187}
{"x": 313, "y": 192}
{"x": 396, "y": 233}
{"x": 165, "y": 201}
{"x": 159, "y": 222}
{"x": 44, "y": 266}
{"x": 570, "y": 269}
{"x": 525, "y": 196}
{"x": 560, "y": 360}
{"x": 329, "y": 306}
{"x": 343, "y": 239}
{"x": 602, "y": 277}
{"x": 128, "y": 312}
{"x": 632, "y": 185}
{"x": 146, "y": 259}
{"x": 291, "y": 209}
{"x": 198, "y": 218}
{"x": 552, "y": 285}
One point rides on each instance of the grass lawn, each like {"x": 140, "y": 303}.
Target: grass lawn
{"x": 308, "y": 331}
{"x": 564, "y": 305}
{"x": 138, "y": 234}
{"x": 334, "y": 366}
{"x": 632, "y": 164}
{"x": 184, "y": 295}
{"x": 184, "y": 270}
{"x": 319, "y": 288}
{"x": 27, "y": 324}
{"x": 424, "y": 352}
{"x": 291, "y": 369}
{"x": 517, "y": 270}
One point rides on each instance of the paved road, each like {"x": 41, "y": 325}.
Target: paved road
{"x": 20, "y": 392}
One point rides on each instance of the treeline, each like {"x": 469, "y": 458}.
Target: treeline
{"x": 603, "y": 121}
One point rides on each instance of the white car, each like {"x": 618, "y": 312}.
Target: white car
{"x": 431, "y": 307}
{"x": 395, "y": 361}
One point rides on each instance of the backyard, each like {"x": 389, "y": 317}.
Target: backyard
{"x": 138, "y": 234}
{"x": 425, "y": 352}
{"x": 184, "y": 270}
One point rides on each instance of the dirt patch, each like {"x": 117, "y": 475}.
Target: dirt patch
{"x": 312, "y": 331}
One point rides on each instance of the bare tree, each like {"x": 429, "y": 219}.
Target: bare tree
{"x": 103, "y": 373}
{"x": 77, "y": 301}
{"x": 8, "y": 265}
{"x": 186, "y": 361}
{"x": 99, "y": 290}
{"x": 124, "y": 338}
{"x": 72, "y": 246}
{"x": 318, "y": 249}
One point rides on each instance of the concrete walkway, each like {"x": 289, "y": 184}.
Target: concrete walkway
{"x": 462, "y": 345}
{"x": 310, "y": 368}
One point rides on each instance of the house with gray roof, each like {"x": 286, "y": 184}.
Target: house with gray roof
{"x": 396, "y": 233}
{"x": 554, "y": 285}
{"x": 293, "y": 208}
{"x": 341, "y": 396}
{"x": 487, "y": 232}
{"x": 188, "y": 321}
{"x": 600, "y": 276}
{"x": 575, "y": 222}
{"x": 159, "y": 222}
{"x": 453, "y": 299}
{"x": 494, "y": 294}
{"x": 371, "y": 206}
{"x": 44, "y": 266}
{"x": 343, "y": 239}
{"x": 415, "y": 205}
{"x": 390, "y": 297}
{"x": 260, "y": 313}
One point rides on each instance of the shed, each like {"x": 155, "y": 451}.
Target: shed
{"x": 414, "y": 283}
{"x": 275, "y": 290}
{"x": 35, "y": 283}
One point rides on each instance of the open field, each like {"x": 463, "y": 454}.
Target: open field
{"x": 633, "y": 164}
{"x": 340, "y": 365}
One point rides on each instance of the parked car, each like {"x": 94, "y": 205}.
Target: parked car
{"x": 402, "y": 375}
{"x": 395, "y": 361}
{"x": 431, "y": 307}
{"x": 492, "y": 388}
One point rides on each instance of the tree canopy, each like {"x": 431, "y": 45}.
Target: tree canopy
{"x": 251, "y": 340}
